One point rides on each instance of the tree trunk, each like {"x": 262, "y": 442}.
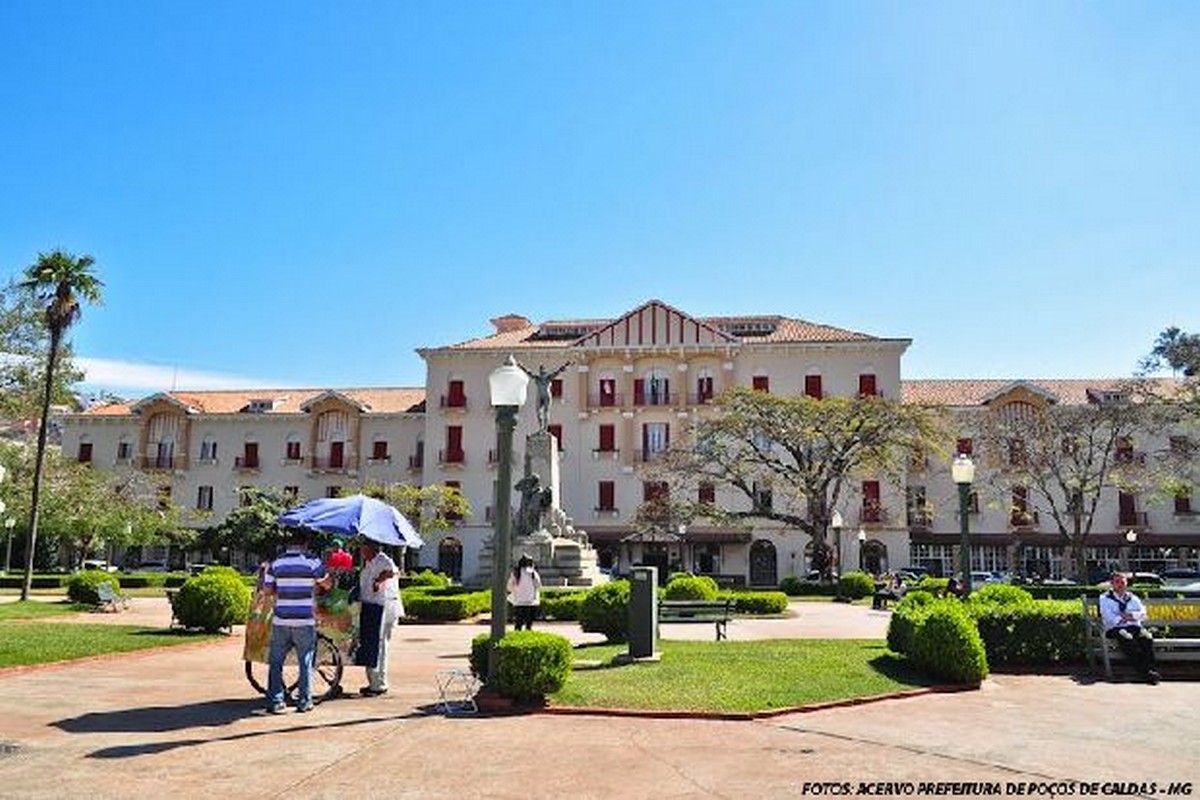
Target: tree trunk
{"x": 39, "y": 461}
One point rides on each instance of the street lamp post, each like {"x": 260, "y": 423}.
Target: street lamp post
{"x": 508, "y": 384}
{"x": 862, "y": 541}
{"x": 836, "y": 523}
{"x": 963, "y": 473}
{"x": 9, "y": 524}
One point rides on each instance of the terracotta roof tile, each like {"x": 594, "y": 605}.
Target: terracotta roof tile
{"x": 973, "y": 391}
{"x": 381, "y": 400}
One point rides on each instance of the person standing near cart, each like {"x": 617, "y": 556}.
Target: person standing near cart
{"x": 379, "y": 591}
{"x": 294, "y": 578}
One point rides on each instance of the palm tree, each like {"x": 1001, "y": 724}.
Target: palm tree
{"x": 59, "y": 281}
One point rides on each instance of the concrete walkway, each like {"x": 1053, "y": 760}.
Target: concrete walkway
{"x": 182, "y": 721}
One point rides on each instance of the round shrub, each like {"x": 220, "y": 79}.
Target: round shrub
{"x": 428, "y": 577}
{"x": 947, "y": 645}
{"x": 791, "y": 586}
{"x": 935, "y": 586}
{"x": 917, "y": 597}
{"x": 856, "y": 585}
{"x": 562, "y": 605}
{"x": 480, "y": 646}
{"x": 690, "y": 587}
{"x": 606, "y": 610}
{"x": 213, "y": 601}
{"x": 81, "y": 588}
{"x": 1001, "y": 594}
{"x": 533, "y": 664}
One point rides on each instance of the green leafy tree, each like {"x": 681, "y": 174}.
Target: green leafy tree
{"x": 429, "y": 508}
{"x": 252, "y": 525}
{"x": 1064, "y": 457}
{"x": 803, "y": 450}
{"x": 61, "y": 282}
{"x": 1176, "y": 350}
{"x": 24, "y": 343}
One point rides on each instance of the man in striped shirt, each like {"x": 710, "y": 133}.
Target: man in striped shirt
{"x": 294, "y": 578}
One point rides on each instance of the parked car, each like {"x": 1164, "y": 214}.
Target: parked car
{"x": 1180, "y": 576}
{"x": 979, "y": 578}
{"x": 153, "y": 566}
{"x": 98, "y": 563}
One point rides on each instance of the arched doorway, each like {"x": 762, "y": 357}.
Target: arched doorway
{"x": 764, "y": 566}
{"x": 450, "y": 557}
{"x": 875, "y": 558}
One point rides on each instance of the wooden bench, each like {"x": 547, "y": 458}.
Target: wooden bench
{"x": 1166, "y": 617}
{"x": 714, "y": 611}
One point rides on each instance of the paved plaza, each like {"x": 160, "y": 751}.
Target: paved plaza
{"x": 182, "y": 722}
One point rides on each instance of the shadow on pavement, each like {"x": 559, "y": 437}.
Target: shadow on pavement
{"x": 160, "y": 719}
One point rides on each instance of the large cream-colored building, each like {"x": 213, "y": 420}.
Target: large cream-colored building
{"x": 627, "y": 386}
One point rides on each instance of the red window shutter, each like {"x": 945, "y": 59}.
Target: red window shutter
{"x": 708, "y": 493}
{"x": 866, "y": 385}
{"x": 379, "y": 450}
{"x": 965, "y": 447}
{"x": 85, "y": 452}
{"x": 1183, "y": 502}
{"x": 812, "y": 386}
{"x": 608, "y": 438}
{"x": 608, "y": 391}
{"x": 654, "y": 490}
{"x": 556, "y": 432}
{"x": 337, "y": 454}
{"x": 762, "y": 383}
{"x": 456, "y": 395}
{"x": 704, "y": 389}
{"x": 639, "y": 391}
{"x": 556, "y": 388}
{"x": 251, "y": 454}
{"x": 608, "y": 496}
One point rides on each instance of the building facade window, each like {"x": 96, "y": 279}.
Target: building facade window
{"x": 557, "y": 432}
{"x": 761, "y": 383}
{"x": 867, "y": 386}
{"x": 292, "y": 450}
{"x": 85, "y": 453}
{"x": 204, "y": 498}
{"x": 812, "y": 387}
{"x": 608, "y": 438}
{"x": 656, "y": 437}
{"x": 606, "y": 496}
{"x": 208, "y": 450}
{"x": 453, "y": 454}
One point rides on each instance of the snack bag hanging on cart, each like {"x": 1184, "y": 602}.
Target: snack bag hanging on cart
{"x": 258, "y": 625}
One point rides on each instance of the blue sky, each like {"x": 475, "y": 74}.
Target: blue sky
{"x": 302, "y": 193}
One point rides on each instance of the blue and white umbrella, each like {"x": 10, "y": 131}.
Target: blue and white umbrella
{"x": 355, "y": 515}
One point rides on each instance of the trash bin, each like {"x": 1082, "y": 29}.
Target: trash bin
{"x": 643, "y": 612}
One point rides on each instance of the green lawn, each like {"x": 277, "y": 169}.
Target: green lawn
{"x": 740, "y": 676}
{"x": 25, "y": 609}
{"x": 23, "y": 643}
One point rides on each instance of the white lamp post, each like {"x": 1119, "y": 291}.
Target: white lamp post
{"x": 509, "y": 386}
{"x": 837, "y": 523}
{"x": 9, "y": 524}
{"x": 963, "y": 473}
{"x": 862, "y": 541}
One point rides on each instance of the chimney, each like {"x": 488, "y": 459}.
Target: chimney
{"x": 510, "y": 322}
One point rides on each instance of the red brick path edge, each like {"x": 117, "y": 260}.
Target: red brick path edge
{"x": 748, "y": 715}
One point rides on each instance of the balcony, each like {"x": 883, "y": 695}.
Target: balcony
{"x": 1132, "y": 519}
{"x": 379, "y": 460}
{"x": 872, "y": 514}
{"x": 457, "y": 457}
{"x": 605, "y": 400}
{"x": 453, "y": 402}
{"x": 416, "y": 462}
{"x": 1023, "y": 520}
{"x": 606, "y": 511}
{"x": 700, "y": 398}
{"x": 920, "y": 519}
{"x": 332, "y": 464}
{"x": 651, "y": 454}
{"x": 154, "y": 463}
{"x": 243, "y": 464}
{"x": 655, "y": 398}
{"x": 605, "y": 452}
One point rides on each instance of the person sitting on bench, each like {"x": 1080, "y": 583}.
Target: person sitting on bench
{"x": 1122, "y": 613}
{"x": 892, "y": 590}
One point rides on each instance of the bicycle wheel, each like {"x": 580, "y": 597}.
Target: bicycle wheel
{"x": 326, "y": 674}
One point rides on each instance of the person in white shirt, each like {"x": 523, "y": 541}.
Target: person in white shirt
{"x": 524, "y": 588}
{"x": 379, "y": 592}
{"x": 1122, "y": 613}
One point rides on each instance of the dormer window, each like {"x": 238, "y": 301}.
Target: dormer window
{"x": 260, "y": 406}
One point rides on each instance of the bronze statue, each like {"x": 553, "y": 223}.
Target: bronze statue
{"x": 543, "y": 380}
{"x": 535, "y": 499}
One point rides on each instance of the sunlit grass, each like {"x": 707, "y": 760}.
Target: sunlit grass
{"x": 24, "y": 643}
{"x": 740, "y": 676}
{"x": 26, "y": 609}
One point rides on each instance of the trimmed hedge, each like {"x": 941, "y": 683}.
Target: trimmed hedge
{"x": 445, "y": 608}
{"x": 533, "y": 664}
{"x": 794, "y": 587}
{"x": 39, "y": 581}
{"x": 758, "y": 602}
{"x": 691, "y": 587}
{"x": 856, "y": 585}
{"x": 562, "y": 604}
{"x": 935, "y": 586}
{"x": 425, "y": 577}
{"x": 212, "y": 601}
{"x": 1032, "y": 633}
{"x": 1000, "y": 594}
{"x": 605, "y": 610}
{"x": 480, "y": 646}
{"x": 82, "y": 587}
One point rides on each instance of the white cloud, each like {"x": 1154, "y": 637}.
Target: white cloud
{"x": 125, "y": 377}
